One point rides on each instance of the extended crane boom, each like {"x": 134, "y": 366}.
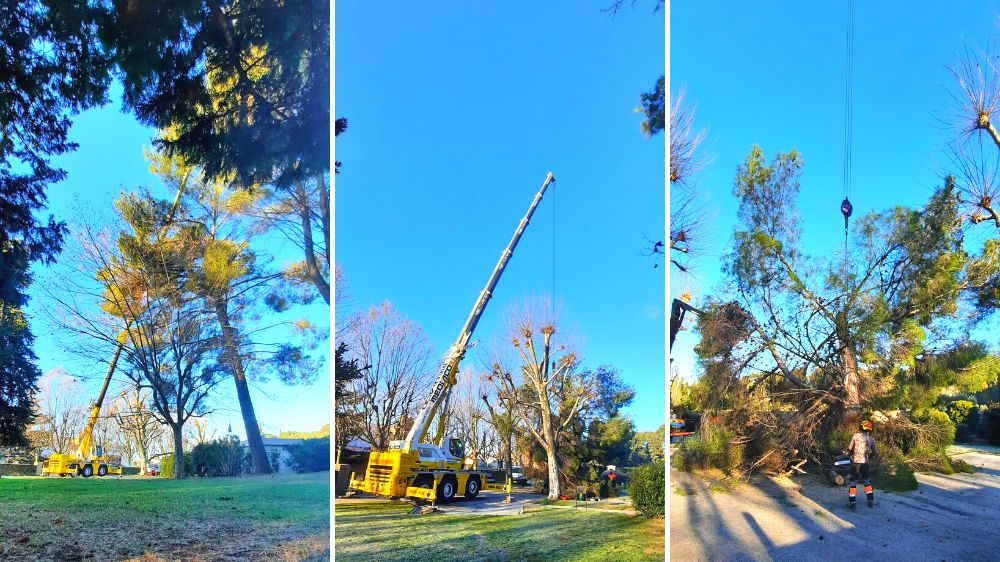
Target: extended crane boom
{"x": 86, "y": 435}
{"x": 83, "y": 463}
{"x": 446, "y": 373}
{"x": 415, "y": 469}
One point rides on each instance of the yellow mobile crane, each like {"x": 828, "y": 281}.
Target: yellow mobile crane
{"x": 88, "y": 459}
{"x": 415, "y": 469}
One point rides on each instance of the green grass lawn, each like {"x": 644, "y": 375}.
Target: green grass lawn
{"x": 384, "y": 531}
{"x": 284, "y": 517}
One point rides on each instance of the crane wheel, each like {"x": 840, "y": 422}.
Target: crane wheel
{"x": 102, "y": 470}
{"x": 88, "y": 471}
{"x": 472, "y": 488}
{"x": 447, "y": 488}
{"x": 424, "y": 481}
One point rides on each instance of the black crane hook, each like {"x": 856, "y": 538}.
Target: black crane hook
{"x": 845, "y": 209}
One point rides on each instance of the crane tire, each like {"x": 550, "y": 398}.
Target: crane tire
{"x": 102, "y": 470}
{"x": 472, "y": 487}
{"x": 447, "y": 489}
{"x": 87, "y": 471}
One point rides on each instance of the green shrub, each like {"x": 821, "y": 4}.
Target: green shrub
{"x": 959, "y": 410}
{"x": 989, "y": 424}
{"x": 973, "y": 420}
{"x": 961, "y": 466}
{"x": 942, "y": 431}
{"x": 713, "y": 447}
{"x": 647, "y": 489}
{"x": 894, "y": 474}
{"x": 220, "y": 457}
{"x": 16, "y": 469}
{"x": 962, "y": 432}
{"x": 130, "y": 471}
{"x": 167, "y": 466}
{"x": 313, "y": 455}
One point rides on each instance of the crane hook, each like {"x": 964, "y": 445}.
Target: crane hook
{"x": 845, "y": 209}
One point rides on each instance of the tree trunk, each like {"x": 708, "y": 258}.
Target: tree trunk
{"x": 852, "y": 385}
{"x": 322, "y": 285}
{"x": 178, "y": 451}
{"x": 254, "y": 440}
{"x": 553, "y": 464}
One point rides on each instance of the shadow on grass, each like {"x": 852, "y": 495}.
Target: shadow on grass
{"x": 540, "y": 534}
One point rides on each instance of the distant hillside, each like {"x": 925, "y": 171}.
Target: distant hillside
{"x": 323, "y": 432}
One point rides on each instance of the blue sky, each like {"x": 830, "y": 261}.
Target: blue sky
{"x": 456, "y": 114}
{"x": 110, "y": 160}
{"x": 774, "y": 74}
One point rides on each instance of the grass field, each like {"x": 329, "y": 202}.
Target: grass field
{"x": 151, "y": 519}
{"x": 384, "y": 531}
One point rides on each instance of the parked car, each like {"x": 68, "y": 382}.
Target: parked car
{"x": 152, "y": 470}
{"x": 517, "y": 476}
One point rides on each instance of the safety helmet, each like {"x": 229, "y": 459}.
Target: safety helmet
{"x": 866, "y": 425}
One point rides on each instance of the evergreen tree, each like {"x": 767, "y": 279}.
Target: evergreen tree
{"x": 47, "y": 70}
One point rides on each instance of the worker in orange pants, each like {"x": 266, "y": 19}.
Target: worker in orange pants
{"x": 861, "y": 449}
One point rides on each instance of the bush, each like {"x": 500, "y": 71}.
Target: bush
{"x": 713, "y": 448}
{"x": 989, "y": 424}
{"x": 894, "y": 474}
{"x": 12, "y": 469}
{"x": 130, "y": 471}
{"x": 313, "y": 455}
{"x": 647, "y": 489}
{"x": 943, "y": 433}
{"x": 167, "y": 466}
{"x": 959, "y": 410}
{"x": 973, "y": 420}
{"x": 962, "y": 432}
{"x": 220, "y": 457}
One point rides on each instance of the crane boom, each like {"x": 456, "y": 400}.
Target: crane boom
{"x": 449, "y": 366}
{"x": 85, "y": 436}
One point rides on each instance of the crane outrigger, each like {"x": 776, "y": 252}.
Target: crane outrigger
{"x": 416, "y": 469}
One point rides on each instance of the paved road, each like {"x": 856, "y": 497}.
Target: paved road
{"x": 948, "y": 518}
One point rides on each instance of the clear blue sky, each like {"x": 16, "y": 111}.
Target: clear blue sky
{"x": 456, "y": 113}
{"x": 773, "y": 73}
{"x": 110, "y": 160}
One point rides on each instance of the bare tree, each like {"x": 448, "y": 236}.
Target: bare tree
{"x": 200, "y": 432}
{"x": 470, "y": 420}
{"x": 395, "y": 351}
{"x": 548, "y": 393}
{"x": 61, "y": 403}
{"x": 977, "y": 98}
{"x": 688, "y": 215}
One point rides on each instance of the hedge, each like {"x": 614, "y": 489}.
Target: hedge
{"x": 167, "y": 466}
{"x": 313, "y": 455}
{"x": 647, "y": 489}
{"x": 8, "y": 469}
{"x": 219, "y": 457}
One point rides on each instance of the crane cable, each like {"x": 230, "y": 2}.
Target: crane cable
{"x": 845, "y": 206}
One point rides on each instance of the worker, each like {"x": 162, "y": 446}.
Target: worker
{"x": 861, "y": 450}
